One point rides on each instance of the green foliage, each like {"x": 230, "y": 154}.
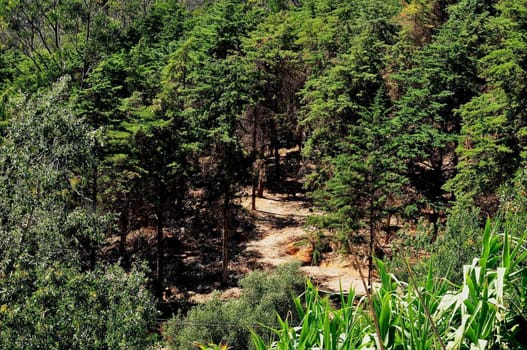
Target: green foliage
{"x": 263, "y": 296}
{"x": 366, "y": 175}
{"x": 161, "y": 23}
{"x": 334, "y": 99}
{"x": 321, "y": 326}
{"x": 99, "y": 99}
{"x": 427, "y": 314}
{"x": 408, "y": 110}
{"x": 479, "y": 153}
{"x": 52, "y": 296}
{"x": 441, "y": 77}
{"x": 57, "y": 307}
{"x": 490, "y": 149}
{"x": 456, "y": 243}
{"x": 45, "y": 193}
{"x": 348, "y": 115}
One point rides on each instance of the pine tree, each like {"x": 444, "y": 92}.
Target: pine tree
{"x": 441, "y": 77}
{"x": 491, "y": 147}
{"x": 367, "y": 178}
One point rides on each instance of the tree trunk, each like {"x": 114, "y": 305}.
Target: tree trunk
{"x": 85, "y": 53}
{"x": 277, "y": 162}
{"x": 255, "y": 185}
{"x": 123, "y": 231}
{"x": 225, "y": 239}
{"x": 261, "y": 179}
{"x": 256, "y": 159}
{"x": 372, "y": 248}
{"x": 160, "y": 244}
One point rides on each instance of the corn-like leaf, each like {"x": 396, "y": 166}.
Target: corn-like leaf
{"x": 516, "y": 257}
{"x": 506, "y": 254}
{"x": 485, "y": 252}
{"x": 385, "y": 318}
{"x": 417, "y": 316}
{"x": 258, "y": 342}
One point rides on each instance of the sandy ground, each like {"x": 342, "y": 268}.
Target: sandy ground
{"x": 282, "y": 237}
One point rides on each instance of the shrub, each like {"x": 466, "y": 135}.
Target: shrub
{"x": 264, "y": 295}
{"x": 457, "y": 242}
{"x": 62, "y": 308}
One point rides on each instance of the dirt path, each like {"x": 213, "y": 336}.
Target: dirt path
{"x": 280, "y": 223}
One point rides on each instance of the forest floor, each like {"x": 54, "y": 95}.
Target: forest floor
{"x": 282, "y": 237}
{"x": 274, "y": 234}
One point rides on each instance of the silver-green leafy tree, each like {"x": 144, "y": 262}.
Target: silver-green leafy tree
{"x": 55, "y": 294}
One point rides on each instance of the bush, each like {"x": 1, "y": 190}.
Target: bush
{"x": 459, "y": 242}
{"x": 62, "y": 308}
{"x": 264, "y": 295}
{"x": 456, "y": 243}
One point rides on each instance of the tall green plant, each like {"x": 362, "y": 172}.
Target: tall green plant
{"x": 423, "y": 314}
{"x": 46, "y": 192}
{"x": 321, "y": 325}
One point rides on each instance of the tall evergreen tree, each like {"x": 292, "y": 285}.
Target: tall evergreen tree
{"x": 351, "y": 137}
{"x": 492, "y": 141}
{"x": 441, "y": 77}
{"x": 367, "y": 179}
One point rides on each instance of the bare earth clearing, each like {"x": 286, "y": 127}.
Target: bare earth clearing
{"x": 282, "y": 237}
{"x": 272, "y": 235}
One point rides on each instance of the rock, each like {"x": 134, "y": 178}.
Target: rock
{"x": 301, "y": 252}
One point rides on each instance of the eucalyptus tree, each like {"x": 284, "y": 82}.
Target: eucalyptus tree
{"x": 46, "y": 164}
{"x": 61, "y": 307}
{"x": 56, "y": 292}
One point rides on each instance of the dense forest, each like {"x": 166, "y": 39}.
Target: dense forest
{"x": 130, "y": 131}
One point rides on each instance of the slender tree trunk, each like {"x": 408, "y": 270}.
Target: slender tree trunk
{"x": 256, "y": 158}
{"x": 123, "y": 230}
{"x": 277, "y": 162}
{"x": 225, "y": 239}
{"x": 160, "y": 242}
{"x": 261, "y": 179}
{"x": 160, "y": 247}
{"x": 253, "y": 195}
{"x": 261, "y": 171}
{"x": 85, "y": 53}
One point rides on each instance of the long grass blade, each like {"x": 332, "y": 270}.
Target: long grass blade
{"x": 425, "y": 308}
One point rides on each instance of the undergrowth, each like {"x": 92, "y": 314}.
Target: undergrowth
{"x": 486, "y": 310}
{"x": 264, "y": 295}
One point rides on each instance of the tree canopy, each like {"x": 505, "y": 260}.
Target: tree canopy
{"x": 157, "y": 115}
